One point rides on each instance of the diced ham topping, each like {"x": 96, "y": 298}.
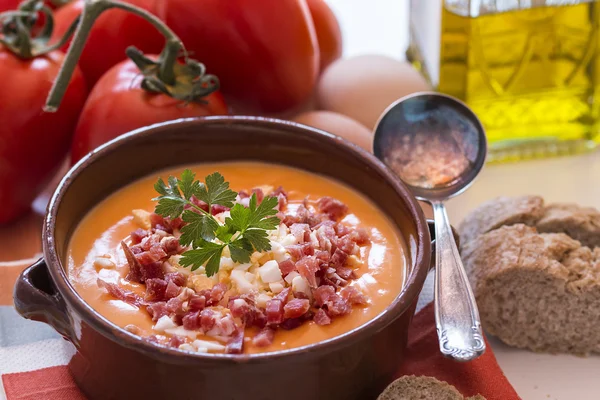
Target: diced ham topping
{"x": 159, "y": 223}
{"x": 170, "y": 245}
{"x": 118, "y": 292}
{"x": 155, "y": 289}
{"x": 274, "y": 312}
{"x": 235, "y": 345}
{"x": 323, "y": 294}
{"x": 337, "y": 306}
{"x": 137, "y": 235}
{"x": 197, "y": 302}
{"x": 191, "y": 321}
{"x": 308, "y": 267}
{"x": 176, "y": 341}
{"x": 301, "y": 232}
{"x": 286, "y": 266}
{"x": 296, "y": 308}
{"x": 176, "y": 277}
{"x": 264, "y": 338}
{"x": 172, "y": 290}
{"x": 298, "y": 251}
{"x": 335, "y": 209}
{"x": 339, "y": 258}
{"x": 317, "y": 270}
{"x": 321, "y": 317}
{"x": 353, "y": 296}
{"x": 207, "y": 319}
{"x": 218, "y": 209}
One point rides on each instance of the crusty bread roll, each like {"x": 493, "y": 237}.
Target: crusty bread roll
{"x": 500, "y": 212}
{"x": 534, "y": 290}
{"x": 422, "y": 388}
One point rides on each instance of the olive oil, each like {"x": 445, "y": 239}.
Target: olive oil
{"x": 532, "y": 74}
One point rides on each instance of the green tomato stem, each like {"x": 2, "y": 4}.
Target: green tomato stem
{"x": 91, "y": 11}
{"x": 17, "y": 26}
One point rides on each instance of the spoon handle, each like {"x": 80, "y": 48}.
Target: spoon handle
{"x": 456, "y": 314}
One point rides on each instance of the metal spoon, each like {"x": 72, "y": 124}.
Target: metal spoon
{"x": 437, "y": 146}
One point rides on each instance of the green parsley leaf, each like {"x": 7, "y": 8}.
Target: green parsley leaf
{"x": 266, "y": 208}
{"x": 212, "y": 266}
{"x": 170, "y": 206}
{"x": 224, "y": 233}
{"x": 208, "y": 251}
{"x": 197, "y": 226}
{"x": 161, "y": 188}
{"x": 243, "y": 232}
{"x": 170, "y": 202}
{"x": 174, "y": 190}
{"x": 241, "y": 250}
{"x": 267, "y": 223}
{"x": 216, "y": 191}
{"x": 258, "y": 238}
{"x": 189, "y": 185}
{"x": 239, "y": 218}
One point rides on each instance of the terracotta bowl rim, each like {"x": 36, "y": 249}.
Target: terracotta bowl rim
{"x": 401, "y": 304}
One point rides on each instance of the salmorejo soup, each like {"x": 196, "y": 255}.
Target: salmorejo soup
{"x": 237, "y": 257}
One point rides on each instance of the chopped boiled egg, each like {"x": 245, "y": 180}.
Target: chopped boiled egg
{"x": 243, "y": 267}
{"x": 187, "y": 347}
{"x": 226, "y": 263}
{"x": 276, "y": 287}
{"x": 278, "y": 251}
{"x": 290, "y": 277}
{"x": 181, "y": 331}
{"x": 208, "y": 346}
{"x": 300, "y": 284}
{"x": 164, "y": 323}
{"x": 261, "y": 299}
{"x": 239, "y": 279}
{"x": 201, "y": 282}
{"x": 103, "y": 262}
{"x": 288, "y": 240}
{"x": 270, "y": 272}
{"x": 142, "y": 218}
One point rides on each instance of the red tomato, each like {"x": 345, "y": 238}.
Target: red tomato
{"x": 328, "y": 31}
{"x": 265, "y": 53}
{"x": 6, "y": 5}
{"x": 113, "y": 32}
{"x": 118, "y": 104}
{"x": 32, "y": 143}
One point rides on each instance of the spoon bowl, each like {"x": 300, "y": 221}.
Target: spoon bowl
{"x": 434, "y": 142}
{"x": 437, "y": 146}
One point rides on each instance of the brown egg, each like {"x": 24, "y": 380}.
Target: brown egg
{"x": 363, "y": 87}
{"x": 340, "y": 125}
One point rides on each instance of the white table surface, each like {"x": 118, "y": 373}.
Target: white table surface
{"x": 380, "y": 27}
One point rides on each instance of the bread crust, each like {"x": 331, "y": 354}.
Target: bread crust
{"x": 500, "y": 212}
{"x": 580, "y": 223}
{"x": 411, "y": 387}
{"x": 534, "y": 289}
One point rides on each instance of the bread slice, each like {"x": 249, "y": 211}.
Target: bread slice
{"x": 580, "y": 223}
{"x": 422, "y": 388}
{"x": 539, "y": 291}
{"x": 500, "y": 212}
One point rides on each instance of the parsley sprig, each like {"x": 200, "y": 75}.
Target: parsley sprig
{"x": 243, "y": 232}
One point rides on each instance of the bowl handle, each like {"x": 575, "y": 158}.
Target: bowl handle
{"x": 36, "y": 298}
{"x": 431, "y": 224}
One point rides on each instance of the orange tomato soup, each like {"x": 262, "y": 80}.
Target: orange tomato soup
{"x": 380, "y": 277}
